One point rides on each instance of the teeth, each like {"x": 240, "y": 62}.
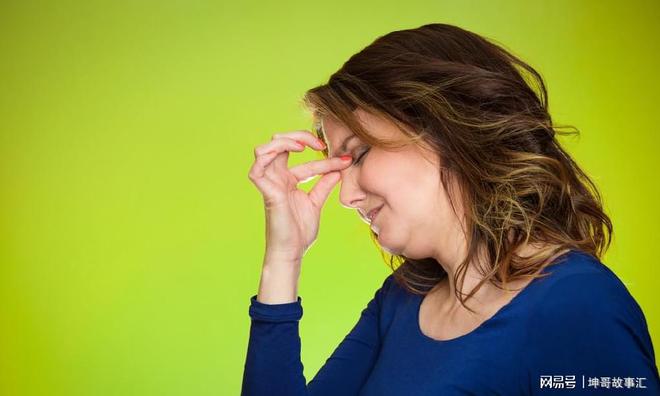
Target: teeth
{"x": 371, "y": 215}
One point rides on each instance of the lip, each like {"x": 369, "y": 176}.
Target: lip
{"x": 373, "y": 212}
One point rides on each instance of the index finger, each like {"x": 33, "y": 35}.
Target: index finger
{"x": 303, "y": 136}
{"x": 305, "y": 171}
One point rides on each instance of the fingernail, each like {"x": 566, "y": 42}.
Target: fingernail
{"x": 321, "y": 144}
{"x": 345, "y": 157}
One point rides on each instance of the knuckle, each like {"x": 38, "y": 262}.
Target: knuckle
{"x": 256, "y": 180}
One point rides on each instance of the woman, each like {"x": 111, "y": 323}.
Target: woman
{"x": 444, "y": 145}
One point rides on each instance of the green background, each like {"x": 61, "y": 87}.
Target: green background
{"x": 132, "y": 238}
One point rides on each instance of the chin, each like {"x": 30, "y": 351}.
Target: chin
{"x": 390, "y": 251}
{"x": 388, "y": 247}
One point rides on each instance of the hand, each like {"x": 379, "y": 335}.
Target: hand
{"x": 292, "y": 215}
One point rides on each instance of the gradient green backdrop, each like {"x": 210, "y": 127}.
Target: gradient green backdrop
{"x": 132, "y": 238}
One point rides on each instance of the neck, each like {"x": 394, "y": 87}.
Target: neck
{"x": 446, "y": 289}
{"x": 487, "y": 293}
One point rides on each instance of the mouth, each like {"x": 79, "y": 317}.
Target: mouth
{"x": 373, "y": 212}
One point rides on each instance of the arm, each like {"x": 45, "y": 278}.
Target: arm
{"x": 273, "y": 365}
{"x": 591, "y": 327}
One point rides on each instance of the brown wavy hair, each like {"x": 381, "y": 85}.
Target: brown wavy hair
{"x": 485, "y": 112}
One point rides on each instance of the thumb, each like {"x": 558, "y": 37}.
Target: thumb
{"x": 319, "y": 193}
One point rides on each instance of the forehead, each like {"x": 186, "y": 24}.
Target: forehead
{"x": 341, "y": 140}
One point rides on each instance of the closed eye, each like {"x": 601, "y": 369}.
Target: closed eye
{"x": 359, "y": 159}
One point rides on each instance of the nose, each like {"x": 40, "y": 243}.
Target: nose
{"x": 350, "y": 193}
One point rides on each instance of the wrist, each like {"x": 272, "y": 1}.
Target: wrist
{"x": 278, "y": 283}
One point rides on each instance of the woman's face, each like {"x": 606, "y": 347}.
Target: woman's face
{"x": 416, "y": 219}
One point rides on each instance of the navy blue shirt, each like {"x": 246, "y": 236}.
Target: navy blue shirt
{"x": 576, "y": 331}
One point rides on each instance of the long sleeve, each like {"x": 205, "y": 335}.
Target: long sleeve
{"x": 273, "y": 366}
{"x": 592, "y": 335}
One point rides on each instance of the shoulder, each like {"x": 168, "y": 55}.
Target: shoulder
{"x": 390, "y": 287}
{"x": 389, "y": 299}
{"x": 585, "y": 321}
{"x": 585, "y": 305}
{"x": 581, "y": 284}
{"x": 388, "y": 292}
{"x": 393, "y": 293}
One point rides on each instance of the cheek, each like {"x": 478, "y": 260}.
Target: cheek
{"x": 384, "y": 182}
{"x": 407, "y": 185}
{"x": 391, "y": 171}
